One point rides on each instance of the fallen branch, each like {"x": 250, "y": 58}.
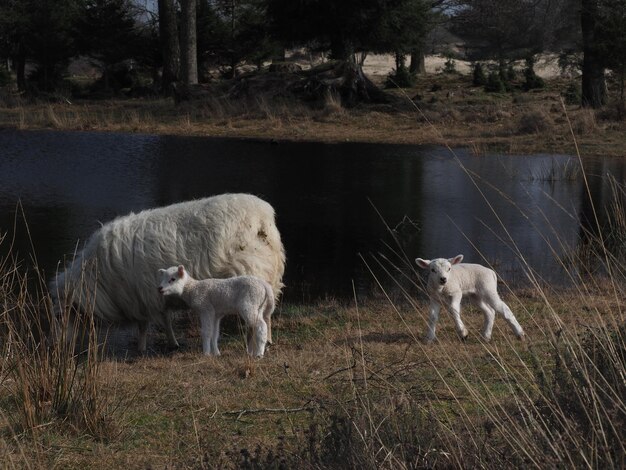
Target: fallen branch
{"x": 250, "y": 411}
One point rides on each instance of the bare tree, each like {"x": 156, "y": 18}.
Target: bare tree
{"x": 188, "y": 50}
{"x": 439, "y": 14}
{"x": 593, "y": 80}
{"x": 170, "y": 47}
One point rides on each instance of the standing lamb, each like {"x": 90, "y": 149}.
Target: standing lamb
{"x": 212, "y": 299}
{"x": 449, "y": 281}
{"x": 220, "y": 236}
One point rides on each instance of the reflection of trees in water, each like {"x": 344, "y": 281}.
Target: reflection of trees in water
{"x": 320, "y": 193}
{"x": 37, "y": 237}
{"x": 602, "y": 234}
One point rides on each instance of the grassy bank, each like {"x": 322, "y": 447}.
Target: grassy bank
{"x": 345, "y": 386}
{"x": 447, "y": 110}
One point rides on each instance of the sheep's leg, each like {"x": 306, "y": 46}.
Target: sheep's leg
{"x": 455, "y": 309}
{"x": 490, "y": 316}
{"x": 435, "y": 307}
{"x": 504, "y": 310}
{"x": 142, "y": 337}
{"x": 169, "y": 330}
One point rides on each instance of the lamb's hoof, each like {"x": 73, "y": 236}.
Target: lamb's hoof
{"x": 428, "y": 340}
{"x": 521, "y": 337}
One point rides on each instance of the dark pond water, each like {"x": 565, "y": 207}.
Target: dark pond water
{"x": 331, "y": 200}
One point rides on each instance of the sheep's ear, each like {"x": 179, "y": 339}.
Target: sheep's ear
{"x": 181, "y": 270}
{"x": 456, "y": 260}
{"x": 422, "y": 263}
{"x": 161, "y": 271}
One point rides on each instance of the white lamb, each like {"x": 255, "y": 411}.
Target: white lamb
{"x": 247, "y": 296}
{"x": 219, "y": 236}
{"x": 449, "y": 281}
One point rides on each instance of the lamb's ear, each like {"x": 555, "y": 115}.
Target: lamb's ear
{"x": 456, "y": 260}
{"x": 422, "y": 263}
{"x": 181, "y": 270}
{"x": 161, "y": 271}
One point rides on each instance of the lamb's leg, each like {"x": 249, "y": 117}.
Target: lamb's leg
{"x": 490, "y": 315}
{"x": 249, "y": 339}
{"x": 504, "y": 310}
{"x": 260, "y": 337}
{"x": 435, "y": 307}
{"x": 142, "y": 337}
{"x": 268, "y": 321}
{"x": 206, "y": 326}
{"x": 455, "y": 310}
{"x": 216, "y": 335}
{"x": 169, "y": 330}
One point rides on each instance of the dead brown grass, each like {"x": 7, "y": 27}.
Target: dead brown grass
{"x": 190, "y": 411}
{"x": 525, "y": 122}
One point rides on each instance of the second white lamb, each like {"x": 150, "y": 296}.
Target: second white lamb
{"x": 450, "y": 280}
{"x": 212, "y": 299}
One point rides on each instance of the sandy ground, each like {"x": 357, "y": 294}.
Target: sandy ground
{"x": 380, "y": 65}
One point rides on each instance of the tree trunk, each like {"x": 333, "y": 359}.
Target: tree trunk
{"x": 170, "y": 48}
{"x": 593, "y": 81}
{"x": 233, "y": 59}
{"x": 188, "y": 49}
{"x": 20, "y": 67}
{"x": 417, "y": 65}
{"x": 399, "y": 60}
{"x": 341, "y": 49}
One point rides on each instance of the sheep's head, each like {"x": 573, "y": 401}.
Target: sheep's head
{"x": 173, "y": 280}
{"x": 439, "y": 268}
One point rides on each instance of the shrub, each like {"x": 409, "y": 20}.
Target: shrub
{"x": 581, "y": 407}
{"x": 532, "y": 80}
{"x": 5, "y": 77}
{"x": 535, "y": 122}
{"x": 494, "y": 83}
{"x": 400, "y": 78}
{"x": 449, "y": 66}
{"x": 478, "y": 75}
{"x": 584, "y": 122}
{"x": 572, "y": 94}
{"x": 511, "y": 74}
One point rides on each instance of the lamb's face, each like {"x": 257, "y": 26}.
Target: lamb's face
{"x": 439, "y": 268}
{"x": 172, "y": 280}
{"x": 439, "y": 271}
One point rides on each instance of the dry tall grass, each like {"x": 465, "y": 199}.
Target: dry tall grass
{"x": 46, "y": 382}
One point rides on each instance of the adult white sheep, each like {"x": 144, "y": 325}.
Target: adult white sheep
{"x": 249, "y": 297}
{"x": 219, "y": 236}
{"x": 449, "y": 281}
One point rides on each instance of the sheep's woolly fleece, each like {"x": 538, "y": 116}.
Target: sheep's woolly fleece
{"x": 219, "y": 236}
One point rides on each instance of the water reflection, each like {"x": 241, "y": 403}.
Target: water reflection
{"x": 329, "y": 199}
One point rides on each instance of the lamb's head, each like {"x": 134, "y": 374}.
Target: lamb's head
{"x": 439, "y": 268}
{"x": 173, "y": 280}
